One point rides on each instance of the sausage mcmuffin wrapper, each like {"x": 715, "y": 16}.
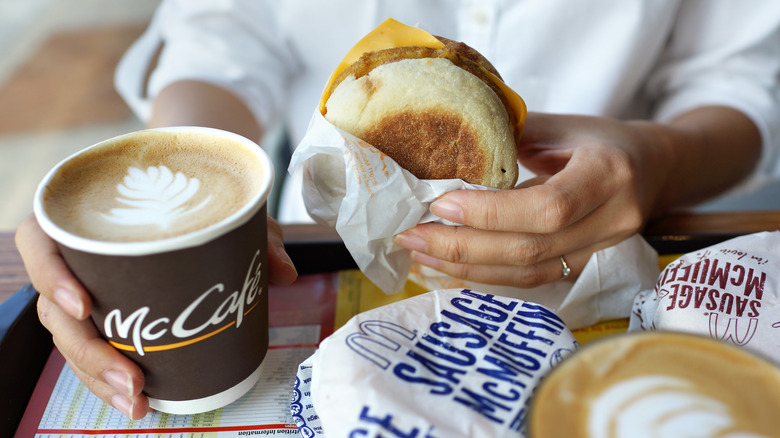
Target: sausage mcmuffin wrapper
{"x": 447, "y": 363}
{"x": 729, "y": 291}
{"x": 368, "y": 198}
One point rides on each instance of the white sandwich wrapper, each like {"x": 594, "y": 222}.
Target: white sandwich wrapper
{"x": 729, "y": 291}
{"x": 446, "y": 363}
{"x": 380, "y": 199}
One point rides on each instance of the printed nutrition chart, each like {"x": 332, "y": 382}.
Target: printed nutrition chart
{"x": 73, "y": 411}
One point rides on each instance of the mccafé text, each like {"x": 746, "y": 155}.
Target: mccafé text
{"x": 136, "y": 328}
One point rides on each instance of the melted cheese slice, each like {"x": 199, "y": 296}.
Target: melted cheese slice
{"x": 392, "y": 33}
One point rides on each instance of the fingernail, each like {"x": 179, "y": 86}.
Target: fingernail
{"x": 69, "y": 302}
{"x": 411, "y": 241}
{"x": 119, "y": 380}
{"x": 447, "y": 210}
{"x": 123, "y": 404}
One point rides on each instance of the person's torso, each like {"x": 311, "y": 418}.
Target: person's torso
{"x": 560, "y": 56}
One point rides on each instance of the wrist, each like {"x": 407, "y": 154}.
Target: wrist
{"x": 698, "y": 155}
{"x": 657, "y": 161}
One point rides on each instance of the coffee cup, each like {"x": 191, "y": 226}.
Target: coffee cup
{"x": 645, "y": 384}
{"x": 166, "y": 228}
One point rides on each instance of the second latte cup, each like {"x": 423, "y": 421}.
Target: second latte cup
{"x": 658, "y": 384}
{"x": 166, "y": 228}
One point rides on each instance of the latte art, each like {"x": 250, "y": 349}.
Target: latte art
{"x": 658, "y": 384}
{"x": 657, "y": 405}
{"x": 155, "y": 197}
{"x": 153, "y": 185}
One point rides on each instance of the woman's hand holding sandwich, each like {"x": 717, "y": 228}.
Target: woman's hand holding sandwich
{"x": 605, "y": 179}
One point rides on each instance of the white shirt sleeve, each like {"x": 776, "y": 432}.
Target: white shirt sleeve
{"x": 237, "y": 45}
{"x": 725, "y": 53}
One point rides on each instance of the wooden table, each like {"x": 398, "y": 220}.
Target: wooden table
{"x": 672, "y": 228}
{"x": 715, "y": 223}
{"x": 12, "y": 274}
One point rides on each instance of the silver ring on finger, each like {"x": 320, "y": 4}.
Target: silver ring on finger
{"x": 565, "y": 270}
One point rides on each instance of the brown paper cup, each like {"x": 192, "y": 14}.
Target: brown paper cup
{"x": 190, "y": 309}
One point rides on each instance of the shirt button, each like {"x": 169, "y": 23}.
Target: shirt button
{"x": 479, "y": 17}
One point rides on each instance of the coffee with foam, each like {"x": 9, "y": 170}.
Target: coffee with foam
{"x": 658, "y": 384}
{"x": 152, "y": 185}
{"x": 167, "y": 231}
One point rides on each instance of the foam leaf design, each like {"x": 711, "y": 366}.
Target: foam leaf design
{"x": 659, "y": 406}
{"x": 155, "y": 197}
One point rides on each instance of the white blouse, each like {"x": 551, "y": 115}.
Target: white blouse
{"x": 651, "y": 59}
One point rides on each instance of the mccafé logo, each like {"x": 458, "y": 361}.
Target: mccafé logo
{"x": 137, "y": 329}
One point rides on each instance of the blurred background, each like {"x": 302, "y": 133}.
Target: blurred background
{"x": 57, "y": 60}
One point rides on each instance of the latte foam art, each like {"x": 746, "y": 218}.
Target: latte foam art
{"x": 659, "y": 406}
{"x": 154, "y": 197}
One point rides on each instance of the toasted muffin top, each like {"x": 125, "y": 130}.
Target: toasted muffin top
{"x": 434, "y": 111}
